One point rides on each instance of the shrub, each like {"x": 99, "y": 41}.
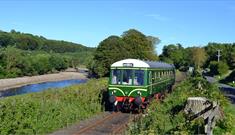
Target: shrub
{"x": 222, "y": 68}
{"x": 44, "y": 112}
{"x": 167, "y": 116}
{"x": 218, "y": 68}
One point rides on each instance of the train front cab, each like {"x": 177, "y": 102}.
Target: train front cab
{"x": 128, "y": 87}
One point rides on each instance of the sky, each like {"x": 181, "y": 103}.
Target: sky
{"x": 88, "y": 22}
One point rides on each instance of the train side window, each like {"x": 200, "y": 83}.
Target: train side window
{"x": 155, "y": 76}
{"x": 127, "y": 77}
{"x": 139, "y": 77}
{"x": 160, "y": 74}
{"x": 116, "y": 76}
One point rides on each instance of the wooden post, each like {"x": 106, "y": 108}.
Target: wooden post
{"x": 201, "y": 107}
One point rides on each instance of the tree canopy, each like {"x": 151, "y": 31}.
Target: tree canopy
{"x": 200, "y": 57}
{"x": 131, "y": 44}
{"x": 31, "y": 42}
{"x": 26, "y": 55}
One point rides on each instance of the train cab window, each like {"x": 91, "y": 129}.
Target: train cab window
{"x": 139, "y": 77}
{"x": 116, "y": 76}
{"x": 127, "y": 77}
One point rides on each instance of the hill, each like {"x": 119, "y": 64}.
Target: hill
{"x": 23, "y": 54}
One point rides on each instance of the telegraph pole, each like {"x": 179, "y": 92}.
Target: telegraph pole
{"x": 218, "y": 55}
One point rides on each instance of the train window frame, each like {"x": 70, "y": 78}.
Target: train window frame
{"x": 143, "y": 78}
{"x": 117, "y": 76}
{"x": 131, "y": 75}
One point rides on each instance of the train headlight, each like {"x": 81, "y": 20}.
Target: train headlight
{"x": 138, "y": 92}
{"x": 113, "y": 92}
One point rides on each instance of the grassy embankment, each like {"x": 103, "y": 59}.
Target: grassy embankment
{"x": 167, "y": 117}
{"x": 44, "y": 112}
{"x": 229, "y": 79}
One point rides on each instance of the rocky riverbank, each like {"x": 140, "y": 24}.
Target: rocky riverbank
{"x": 21, "y": 81}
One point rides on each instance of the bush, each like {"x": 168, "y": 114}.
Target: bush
{"x": 58, "y": 62}
{"x": 222, "y": 68}
{"x": 218, "y": 68}
{"x": 44, "y": 112}
{"x": 167, "y": 117}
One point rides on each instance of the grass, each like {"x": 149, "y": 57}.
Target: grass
{"x": 47, "y": 111}
{"x": 168, "y": 117}
{"x": 230, "y": 79}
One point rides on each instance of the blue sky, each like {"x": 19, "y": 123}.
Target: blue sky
{"x": 90, "y": 21}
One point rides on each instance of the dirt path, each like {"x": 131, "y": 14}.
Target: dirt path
{"x": 21, "y": 81}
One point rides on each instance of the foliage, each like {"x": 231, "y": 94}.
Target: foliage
{"x": 31, "y": 42}
{"x": 173, "y": 53}
{"x": 110, "y": 50}
{"x": 139, "y": 46}
{"x": 26, "y": 55}
{"x": 15, "y": 62}
{"x": 44, "y": 112}
{"x": 198, "y": 56}
{"x": 132, "y": 44}
{"x": 167, "y": 117}
{"x": 227, "y": 52}
{"x": 218, "y": 68}
{"x": 229, "y": 79}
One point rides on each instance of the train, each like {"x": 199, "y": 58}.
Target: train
{"x": 133, "y": 83}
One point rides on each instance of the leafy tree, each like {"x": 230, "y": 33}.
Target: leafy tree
{"x": 5, "y": 39}
{"x": 227, "y": 52}
{"x": 198, "y": 56}
{"x": 218, "y": 68}
{"x": 222, "y": 68}
{"x": 138, "y": 45}
{"x": 11, "y": 58}
{"x": 31, "y": 42}
{"x": 132, "y": 44}
{"x": 109, "y": 51}
{"x": 175, "y": 53}
{"x": 41, "y": 63}
{"x": 58, "y": 62}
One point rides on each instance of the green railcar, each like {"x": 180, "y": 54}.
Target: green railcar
{"x": 133, "y": 82}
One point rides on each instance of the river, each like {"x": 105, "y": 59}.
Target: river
{"x": 40, "y": 87}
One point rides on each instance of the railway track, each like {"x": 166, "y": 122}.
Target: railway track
{"x": 113, "y": 123}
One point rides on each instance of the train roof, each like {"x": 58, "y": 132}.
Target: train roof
{"x": 141, "y": 63}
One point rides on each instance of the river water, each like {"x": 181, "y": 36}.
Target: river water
{"x": 39, "y": 87}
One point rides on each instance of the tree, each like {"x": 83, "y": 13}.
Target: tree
{"x": 154, "y": 41}
{"x": 109, "y": 51}
{"x": 222, "y": 68}
{"x": 132, "y": 44}
{"x": 227, "y": 51}
{"x": 11, "y": 60}
{"x": 175, "y": 53}
{"x": 41, "y": 64}
{"x": 198, "y": 56}
{"x": 5, "y": 39}
{"x": 218, "y": 68}
{"x": 139, "y": 46}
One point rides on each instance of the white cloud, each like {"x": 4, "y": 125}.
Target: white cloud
{"x": 157, "y": 17}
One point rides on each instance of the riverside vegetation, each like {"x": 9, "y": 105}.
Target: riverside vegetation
{"x": 44, "y": 112}
{"x": 167, "y": 116}
{"x": 26, "y": 55}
